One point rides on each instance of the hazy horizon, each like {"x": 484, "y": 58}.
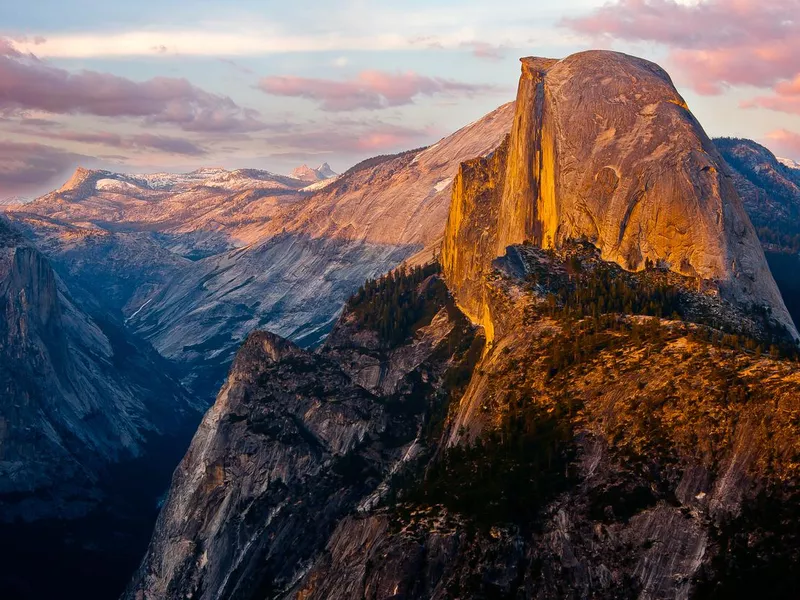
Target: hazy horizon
{"x": 150, "y": 88}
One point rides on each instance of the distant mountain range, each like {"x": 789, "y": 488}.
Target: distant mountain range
{"x": 195, "y": 262}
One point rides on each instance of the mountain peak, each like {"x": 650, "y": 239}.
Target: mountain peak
{"x": 82, "y": 181}
{"x": 604, "y": 149}
{"x": 306, "y": 173}
{"x": 788, "y": 162}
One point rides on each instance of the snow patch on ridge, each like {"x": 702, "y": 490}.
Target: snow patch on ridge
{"x": 788, "y": 162}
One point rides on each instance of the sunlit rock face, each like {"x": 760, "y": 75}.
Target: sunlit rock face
{"x": 604, "y": 148}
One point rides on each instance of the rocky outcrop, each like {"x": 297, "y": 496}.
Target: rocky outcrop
{"x": 603, "y": 148}
{"x": 629, "y": 459}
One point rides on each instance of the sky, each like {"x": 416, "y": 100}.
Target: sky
{"x": 175, "y": 85}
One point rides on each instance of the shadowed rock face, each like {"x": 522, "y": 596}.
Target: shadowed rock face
{"x": 604, "y": 148}
{"x": 769, "y": 189}
{"x": 295, "y": 441}
{"x": 77, "y": 392}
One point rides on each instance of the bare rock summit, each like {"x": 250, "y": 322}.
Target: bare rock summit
{"x": 604, "y": 148}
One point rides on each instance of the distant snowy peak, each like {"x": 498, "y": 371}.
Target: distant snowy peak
{"x": 788, "y": 162}
{"x": 84, "y": 182}
{"x": 325, "y": 171}
{"x": 306, "y": 173}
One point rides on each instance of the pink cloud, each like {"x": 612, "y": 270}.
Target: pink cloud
{"x": 785, "y": 99}
{"x": 369, "y": 90}
{"x": 785, "y": 142}
{"x": 485, "y": 50}
{"x": 26, "y": 83}
{"x": 356, "y": 137}
{"x": 713, "y": 44}
{"x": 7, "y": 48}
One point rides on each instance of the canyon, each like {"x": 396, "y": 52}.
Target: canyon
{"x": 193, "y": 263}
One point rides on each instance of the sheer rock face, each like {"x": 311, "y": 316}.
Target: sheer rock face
{"x": 293, "y": 444}
{"x": 604, "y": 148}
{"x": 77, "y": 393}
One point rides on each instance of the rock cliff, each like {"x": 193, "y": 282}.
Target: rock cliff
{"x": 603, "y": 456}
{"x": 292, "y": 445}
{"x": 78, "y": 393}
{"x": 603, "y": 148}
{"x": 595, "y": 450}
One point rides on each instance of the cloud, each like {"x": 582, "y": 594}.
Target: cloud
{"x": 486, "y": 51}
{"x": 369, "y": 90}
{"x": 38, "y": 123}
{"x": 8, "y": 49}
{"x": 398, "y": 28}
{"x": 233, "y": 64}
{"x": 713, "y": 44}
{"x": 27, "y": 167}
{"x": 785, "y": 99}
{"x": 27, "y": 83}
{"x": 142, "y": 141}
{"x": 354, "y": 137}
{"x": 785, "y": 142}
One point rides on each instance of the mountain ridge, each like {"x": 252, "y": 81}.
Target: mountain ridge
{"x": 229, "y": 259}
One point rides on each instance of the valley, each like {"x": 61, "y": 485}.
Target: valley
{"x": 552, "y": 355}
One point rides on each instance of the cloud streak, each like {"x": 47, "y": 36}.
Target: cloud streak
{"x": 785, "y": 99}
{"x": 369, "y": 90}
{"x": 27, "y": 83}
{"x": 354, "y": 136}
{"x": 27, "y": 167}
{"x": 393, "y": 30}
{"x": 714, "y": 43}
{"x": 486, "y": 51}
{"x": 144, "y": 141}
